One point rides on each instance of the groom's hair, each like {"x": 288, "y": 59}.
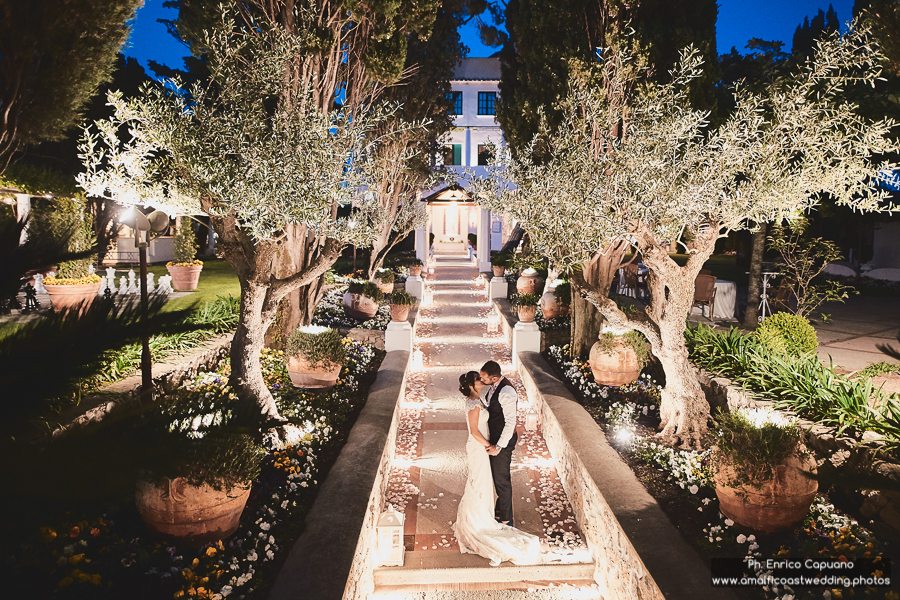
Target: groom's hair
{"x": 492, "y": 369}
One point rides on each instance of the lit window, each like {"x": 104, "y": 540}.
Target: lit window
{"x": 486, "y": 103}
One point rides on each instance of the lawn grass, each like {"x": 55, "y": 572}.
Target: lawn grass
{"x": 216, "y": 279}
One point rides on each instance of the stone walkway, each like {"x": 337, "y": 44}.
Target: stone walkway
{"x": 455, "y": 334}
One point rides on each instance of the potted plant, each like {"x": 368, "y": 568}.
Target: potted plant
{"x": 315, "y": 356}
{"x": 415, "y": 267}
{"x": 196, "y": 468}
{"x": 526, "y": 306}
{"x": 73, "y": 288}
{"x": 529, "y": 282}
{"x": 758, "y": 463}
{"x": 556, "y": 301}
{"x": 384, "y": 279}
{"x": 499, "y": 262}
{"x": 185, "y": 268}
{"x": 618, "y": 357}
{"x": 361, "y": 300}
{"x": 401, "y": 302}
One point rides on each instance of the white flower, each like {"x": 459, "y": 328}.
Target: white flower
{"x": 264, "y": 526}
{"x": 252, "y": 556}
{"x": 751, "y": 538}
{"x": 225, "y": 590}
{"x": 753, "y": 546}
{"x": 693, "y": 489}
{"x": 728, "y": 522}
{"x": 741, "y": 539}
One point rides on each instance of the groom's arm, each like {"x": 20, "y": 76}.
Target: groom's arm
{"x": 507, "y": 400}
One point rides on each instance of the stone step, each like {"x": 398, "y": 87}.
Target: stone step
{"x": 444, "y": 566}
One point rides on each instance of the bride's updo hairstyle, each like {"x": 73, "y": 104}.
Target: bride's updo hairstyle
{"x": 467, "y": 382}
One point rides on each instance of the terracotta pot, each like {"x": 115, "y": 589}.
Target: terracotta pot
{"x": 529, "y": 284}
{"x": 552, "y": 307}
{"x": 359, "y": 306}
{"x": 73, "y": 299}
{"x": 303, "y": 375}
{"x": 415, "y": 270}
{"x": 498, "y": 271}
{"x": 617, "y": 367}
{"x": 189, "y": 513}
{"x": 399, "y": 312}
{"x": 386, "y": 288}
{"x": 526, "y": 313}
{"x": 185, "y": 279}
{"x": 777, "y": 503}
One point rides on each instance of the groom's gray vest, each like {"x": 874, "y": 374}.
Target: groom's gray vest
{"x": 496, "y": 420}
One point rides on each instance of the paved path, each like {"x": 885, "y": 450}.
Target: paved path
{"x": 428, "y": 473}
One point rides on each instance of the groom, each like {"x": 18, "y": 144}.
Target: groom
{"x": 500, "y": 399}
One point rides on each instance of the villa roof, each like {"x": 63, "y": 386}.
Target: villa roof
{"x": 477, "y": 69}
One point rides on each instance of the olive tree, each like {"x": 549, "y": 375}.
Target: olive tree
{"x": 263, "y": 162}
{"x": 772, "y": 159}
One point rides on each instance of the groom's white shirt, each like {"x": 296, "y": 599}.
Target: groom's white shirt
{"x": 508, "y": 398}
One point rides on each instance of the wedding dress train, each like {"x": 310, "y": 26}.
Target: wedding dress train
{"x": 476, "y": 530}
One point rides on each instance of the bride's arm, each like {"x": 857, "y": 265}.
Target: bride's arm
{"x": 473, "y": 427}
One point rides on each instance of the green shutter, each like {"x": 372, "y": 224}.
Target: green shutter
{"x": 457, "y": 154}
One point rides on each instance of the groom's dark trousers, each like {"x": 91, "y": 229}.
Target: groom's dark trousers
{"x": 500, "y": 464}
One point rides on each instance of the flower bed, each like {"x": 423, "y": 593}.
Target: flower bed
{"x": 109, "y": 554}
{"x": 682, "y": 482}
{"x": 330, "y": 313}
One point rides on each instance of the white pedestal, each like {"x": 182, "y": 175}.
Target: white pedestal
{"x": 526, "y": 338}
{"x": 499, "y": 287}
{"x": 414, "y": 286}
{"x": 398, "y": 336}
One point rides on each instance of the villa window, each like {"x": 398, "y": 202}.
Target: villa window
{"x": 486, "y": 102}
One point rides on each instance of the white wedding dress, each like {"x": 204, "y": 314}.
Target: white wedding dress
{"x": 476, "y": 530}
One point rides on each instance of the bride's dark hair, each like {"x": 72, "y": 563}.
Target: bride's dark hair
{"x": 467, "y": 382}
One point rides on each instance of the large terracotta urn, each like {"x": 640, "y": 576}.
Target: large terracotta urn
{"x": 498, "y": 271}
{"x": 775, "y": 504}
{"x": 552, "y": 307}
{"x": 359, "y": 306}
{"x": 399, "y": 312}
{"x": 184, "y": 278}
{"x": 529, "y": 282}
{"x": 195, "y": 514}
{"x": 73, "y": 299}
{"x": 304, "y": 375}
{"x": 527, "y": 313}
{"x": 616, "y": 366}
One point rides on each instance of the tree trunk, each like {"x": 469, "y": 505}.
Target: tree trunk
{"x": 585, "y": 325}
{"x": 596, "y": 276}
{"x": 249, "y": 339}
{"x": 751, "y": 315}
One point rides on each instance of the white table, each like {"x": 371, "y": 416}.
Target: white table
{"x": 726, "y": 300}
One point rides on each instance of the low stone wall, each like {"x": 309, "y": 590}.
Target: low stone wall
{"x": 167, "y": 377}
{"x": 334, "y": 557}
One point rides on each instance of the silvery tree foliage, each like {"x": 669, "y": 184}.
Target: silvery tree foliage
{"x": 660, "y": 171}
{"x": 254, "y": 151}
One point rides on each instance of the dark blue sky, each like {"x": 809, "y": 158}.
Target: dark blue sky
{"x": 739, "y": 20}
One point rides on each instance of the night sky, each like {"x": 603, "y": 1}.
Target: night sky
{"x": 739, "y": 20}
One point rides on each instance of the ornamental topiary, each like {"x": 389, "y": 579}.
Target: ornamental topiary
{"x": 402, "y": 298}
{"x": 185, "y": 245}
{"x": 320, "y": 346}
{"x": 366, "y": 288}
{"x": 787, "y": 335}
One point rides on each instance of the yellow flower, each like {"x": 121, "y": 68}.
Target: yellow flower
{"x": 74, "y": 560}
{"x": 892, "y": 596}
{"x": 95, "y": 579}
{"x": 835, "y": 593}
{"x": 194, "y": 563}
{"x": 179, "y": 594}
{"x": 66, "y": 582}
{"x": 210, "y": 551}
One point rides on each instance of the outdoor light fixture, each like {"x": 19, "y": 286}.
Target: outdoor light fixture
{"x": 531, "y": 419}
{"x": 390, "y": 538}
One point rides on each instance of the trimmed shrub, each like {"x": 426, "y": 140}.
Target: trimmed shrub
{"x": 787, "y": 335}
{"x": 320, "y": 346}
{"x": 563, "y": 293}
{"x": 402, "y": 298}
{"x": 384, "y": 275}
{"x": 366, "y": 288}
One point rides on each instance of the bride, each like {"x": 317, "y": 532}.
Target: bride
{"x": 476, "y": 529}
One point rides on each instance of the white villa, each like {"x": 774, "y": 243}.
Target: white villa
{"x": 451, "y": 213}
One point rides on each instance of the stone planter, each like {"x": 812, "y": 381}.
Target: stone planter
{"x": 415, "y": 270}
{"x": 386, "y": 288}
{"x": 616, "y": 367}
{"x": 498, "y": 271}
{"x": 399, "y": 312}
{"x": 72, "y": 298}
{"x": 776, "y": 504}
{"x": 185, "y": 279}
{"x": 552, "y": 307}
{"x": 303, "y": 375}
{"x": 530, "y": 284}
{"x": 527, "y": 313}
{"x": 197, "y": 515}
{"x": 359, "y": 306}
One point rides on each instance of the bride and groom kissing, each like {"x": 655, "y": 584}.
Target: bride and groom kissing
{"x": 482, "y": 526}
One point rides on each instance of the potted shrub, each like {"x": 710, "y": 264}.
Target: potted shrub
{"x": 758, "y": 463}
{"x": 526, "y": 306}
{"x": 415, "y": 267}
{"x": 73, "y": 288}
{"x": 499, "y": 262}
{"x": 617, "y": 358}
{"x": 529, "y": 282}
{"x": 314, "y": 357}
{"x": 361, "y": 300}
{"x": 401, "y": 301}
{"x": 185, "y": 268}
{"x": 556, "y": 302}
{"x": 384, "y": 279}
{"x": 196, "y": 468}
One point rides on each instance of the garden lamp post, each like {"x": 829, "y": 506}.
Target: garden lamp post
{"x": 155, "y": 222}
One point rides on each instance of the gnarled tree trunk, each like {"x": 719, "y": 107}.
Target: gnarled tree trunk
{"x": 598, "y": 275}
{"x": 751, "y": 315}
